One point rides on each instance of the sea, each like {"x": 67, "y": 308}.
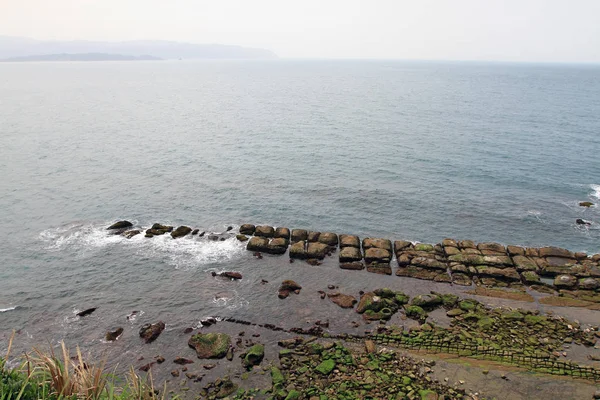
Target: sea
{"x": 410, "y": 150}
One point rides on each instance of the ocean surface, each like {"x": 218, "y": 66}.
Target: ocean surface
{"x": 402, "y": 150}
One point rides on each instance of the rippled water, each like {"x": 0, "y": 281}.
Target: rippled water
{"x": 403, "y": 150}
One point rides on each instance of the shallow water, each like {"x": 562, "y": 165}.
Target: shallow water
{"x": 402, "y": 150}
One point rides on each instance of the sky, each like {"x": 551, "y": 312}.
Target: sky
{"x": 498, "y": 30}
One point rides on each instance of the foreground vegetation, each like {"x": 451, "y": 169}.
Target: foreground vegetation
{"x": 44, "y": 375}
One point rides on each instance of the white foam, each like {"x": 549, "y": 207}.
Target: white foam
{"x": 186, "y": 252}
{"x": 596, "y": 191}
{"x": 8, "y": 309}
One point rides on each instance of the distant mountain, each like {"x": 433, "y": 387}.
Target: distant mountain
{"x": 20, "y": 47}
{"x": 80, "y": 57}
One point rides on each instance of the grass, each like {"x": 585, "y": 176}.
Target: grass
{"x": 47, "y": 376}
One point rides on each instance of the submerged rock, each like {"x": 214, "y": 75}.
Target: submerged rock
{"x": 120, "y": 225}
{"x": 228, "y": 274}
{"x": 111, "y": 336}
{"x": 210, "y": 345}
{"x": 149, "y": 332}
{"x": 342, "y": 300}
{"x": 86, "y": 312}
{"x": 287, "y": 287}
{"x": 586, "y": 204}
{"x": 580, "y": 221}
{"x": 132, "y": 233}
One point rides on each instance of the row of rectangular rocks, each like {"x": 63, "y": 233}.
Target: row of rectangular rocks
{"x": 461, "y": 262}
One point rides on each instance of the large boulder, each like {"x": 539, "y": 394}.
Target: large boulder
{"x": 328, "y": 238}
{"x": 377, "y": 243}
{"x": 120, "y": 225}
{"x": 264, "y": 231}
{"x": 181, "y": 232}
{"x": 589, "y": 284}
{"x": 283, "y": 233}
{"x": 316, "y": 250}
{"x": 210, "y": 345}
{"x": 349, "y": 241}
{"x": 376, "y": 254}
{"x": 515, "y": 250}
{"x": 278, "y": 246}
{"x": 299, "y": 235}
{"x": 350, "y": 254}
{"x": 149, "y": 332}
{"x": 258, "y": 243}
{"x": 298, "y": 250}
{"x": 555, "y": 252}
{"x": 313, "y": 236}
{"x": 525, "y": 263}
{"x": 565, "y": 281}
{"x": 247, "y": 229}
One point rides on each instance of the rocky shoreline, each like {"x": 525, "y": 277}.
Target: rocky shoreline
{"x": 316, "y": 362}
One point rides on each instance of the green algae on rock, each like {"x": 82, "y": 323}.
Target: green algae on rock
{"x": 210, "y": 345}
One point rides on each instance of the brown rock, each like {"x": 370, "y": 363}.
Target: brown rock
{"x": 379, "y": 268}
{"x": 377, "y": 243}
{"x": 555, "y": 252}
{"x": 376, "y": 254}
{"x": 349, "y": 241}
{"x": 467, "y": 244}
{"x": 505, "y": 273}
{"x": 149, "y": 332}
{"x": 299, "y": 234}
{"x": 342, "y": 300}
{"x": 181, "y": 231}
{"x": 449, "y": 243}
{"x": 298, "y": 250}
{"x": 524, "y": 263}
{"x": 328, "y": 238}
{"x": 565, "y": 281}
{"x": 357, "y": 265}
{"x": 231, "y": 275}
{"x": 247, "y": 229}
{"x": 370, "y": 347}
{"x": 515, "y": 250}
{"x": 257, "y": 243}
{"x": 402, "y": 245}
{"x": 277, "y": 246}
{"x": 132, "y": 233}
{"x": 589, "y": 284}
{"x": 182, "y": 361}
{"x": 313, "y": 236}
{"x": 316, "y": 250}
{"x": 283, "y": 233}
{"x": 495, "y": 247}
{"x": 264, "y": 231}
{"x": 350, "y": 254}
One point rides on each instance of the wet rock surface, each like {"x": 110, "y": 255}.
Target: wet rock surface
{"x": 150, "y": 332}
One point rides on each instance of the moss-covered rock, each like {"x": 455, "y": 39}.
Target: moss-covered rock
{"x": 427, "y": 301}
{"x": 254, "y": 356}
{"x": 210, "y": 345}
{"x": 181, "y": 231}
{"x": 326, "y": 367}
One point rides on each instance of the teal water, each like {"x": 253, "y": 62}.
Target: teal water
{"x": 403, "y": 150}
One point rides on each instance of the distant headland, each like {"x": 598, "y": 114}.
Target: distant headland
{"x": 26, "y": 49}
{"x": 81, "y": 57}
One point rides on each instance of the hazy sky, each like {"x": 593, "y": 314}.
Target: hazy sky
{"x": 511, "y": 30}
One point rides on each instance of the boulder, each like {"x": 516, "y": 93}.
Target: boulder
{"x": 402, "y": 245}
{"x": 298, "y": 250}
{"x": 449, "y": 243}
{"x": 316, "y": 250}
{"x": 181, "y": 231}
{"x": 530, "y": 277}
{"x": 253, "y": 356}
{"x": 589, "y": 284}
{"x": 195, "y": 231}
{"x": 230, "y": 275}
{"x": 132, "y": 233}
{"x": 342, "y": 300}
{"x": 515, "y": 250}
{"x": 349, "y": 241}
{"x": 425, "y": 247}
{"x": 377, "y": 243}
{"x": 120, "y": 225}
{"x": 586, "y": 203}
{"x": 503, "y": 273}
{"x": 555, "y": 252}
{"x": 467, "y": 244}
{"x": 283, "y": 233}
{"x": 86, "y": 312}
{"x": 149, "y": 332}
{"x": 287, "y": 287}
{"x": 299, "y": 235}
{"x": 494, "y": 247}
{"x": 247, "y": 229}
{"x": 264, "y": 231}
{"x": 376, "y": 254}
{"x": 159, "y": 227}
{"x": 328, "y": 238}
{"x": 580, "y": 221}
{"x": 462, "y": 279}
{"x": 278, "y": 246}
{"x": 451, "y": 251}
{"x": 113, "y": 335}
{"x": 313, "y": 236}
{"x": 241, "y": 238}
{"x": 430, "y": 263}
{"x": 525, "y": 263}
{"x": 427, "y": 301}
{"x": 356, "y": 265}
{"x": 210, "y": 345}
{"x": 565, "y": 281}
{"x": 379, "y": 268}
{"x": 350, "y": 254}
{"x": 258, "y": 243}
